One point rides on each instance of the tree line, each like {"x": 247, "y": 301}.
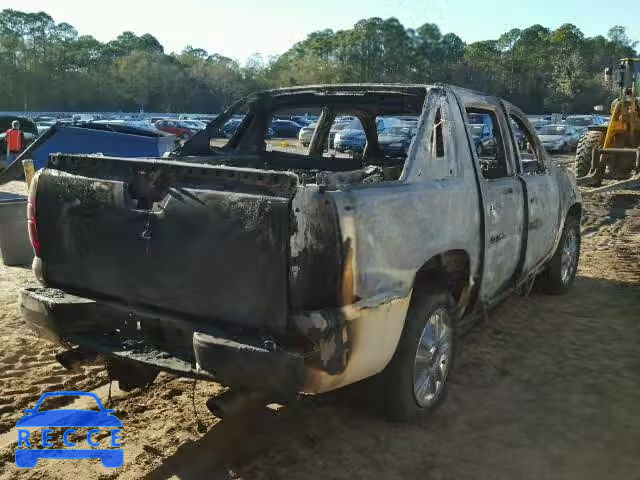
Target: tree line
{"x": 48, "y": 66}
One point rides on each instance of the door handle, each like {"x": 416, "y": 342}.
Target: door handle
{"x": 508, "y": 190}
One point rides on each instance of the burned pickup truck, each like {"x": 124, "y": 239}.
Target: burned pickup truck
{"x": 280, "y": 272}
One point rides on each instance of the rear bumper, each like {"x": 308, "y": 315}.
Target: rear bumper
{"x": 163, "y": 342}
{"x": 344, "y": 345}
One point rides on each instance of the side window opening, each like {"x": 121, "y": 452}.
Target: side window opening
{"x": 525, "y": 145}
{"x": 437, "y": 139}
{"x": 441, "y": 160}
{"x": 487, "y": 142}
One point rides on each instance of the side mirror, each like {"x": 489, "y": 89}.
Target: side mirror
{"x": 29, "y": 411}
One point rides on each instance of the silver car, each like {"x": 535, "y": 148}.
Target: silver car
{"x": 559, "y": 138}
{"x": 306, "y": 132}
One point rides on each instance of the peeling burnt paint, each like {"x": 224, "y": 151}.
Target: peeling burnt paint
{"x": 315, "y": 258}
{"x": 314, "y": 247}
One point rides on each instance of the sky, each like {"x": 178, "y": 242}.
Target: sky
{"x": 240, "y": 28}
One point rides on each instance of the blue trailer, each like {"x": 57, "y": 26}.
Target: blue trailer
{"x": 107, "y": 139}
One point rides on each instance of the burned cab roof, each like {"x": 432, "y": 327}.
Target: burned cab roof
{"x": 382, "y": 98}
{"x": 364, "y": 101}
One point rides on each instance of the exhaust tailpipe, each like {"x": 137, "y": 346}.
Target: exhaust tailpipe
{"x": 232, "y": 402}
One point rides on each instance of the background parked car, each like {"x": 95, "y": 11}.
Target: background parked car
{"x": 194, "y": 124}
{"x": 350, "y": 138}
{"x": 559, "y": 138}
{"x": 301, "y": 120}
{"x": 230, "y": 127}
{"x": 285, "y": 128}
{"x": 175, "y": 127}
{"x": 306, "y": 132}
{"x": 483, "y": 138}
{"x": 394, "y": 141}
{"x": 584, "y": 120}
{"x": 339, "y": 124}
{"x": 133, "y": 123}
{"x": 539, "y": 122}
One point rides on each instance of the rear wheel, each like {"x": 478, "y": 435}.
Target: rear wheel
{"x": 563, "y": 266}
{"x": 589, "y": 141}
{"x": 416, "y": 378}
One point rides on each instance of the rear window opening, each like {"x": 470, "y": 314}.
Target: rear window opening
{"x": 328, "y": 137}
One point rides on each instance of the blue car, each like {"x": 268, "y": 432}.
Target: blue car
{"x": 285, "y": 129}
{"x": 229, "y": 128}
{"x": 28, "y": 457}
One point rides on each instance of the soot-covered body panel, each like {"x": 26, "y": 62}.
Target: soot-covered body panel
{"x": 217, "y": 254}
{"x": 307, "y": 256}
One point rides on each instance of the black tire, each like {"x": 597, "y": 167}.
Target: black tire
{"x": 555, "y": 281}
{"x": 584, "y": 151}
{"x": 397, "y": 379}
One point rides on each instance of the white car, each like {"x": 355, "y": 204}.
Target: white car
{"x": 306, "y": 132}
{"x": 559, "y": 138}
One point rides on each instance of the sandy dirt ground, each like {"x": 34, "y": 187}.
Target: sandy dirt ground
{"x": 546, "y": 387}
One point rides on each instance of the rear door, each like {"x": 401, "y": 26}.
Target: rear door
{"x": 542, "y": 192}
{"x": 504, "y": 200}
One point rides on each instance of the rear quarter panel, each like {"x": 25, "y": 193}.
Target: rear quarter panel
{"x": 390, "y": 230}
{"x": 396, "y": 227}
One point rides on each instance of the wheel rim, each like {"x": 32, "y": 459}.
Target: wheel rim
{"x": 569, "y": 256}
{"x": 433, "y": 358}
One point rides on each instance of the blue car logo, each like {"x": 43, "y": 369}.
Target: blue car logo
{"x": 105, "y": 418}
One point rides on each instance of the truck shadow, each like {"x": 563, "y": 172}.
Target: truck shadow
{"x": 251, "y": 432}
{"x": 526, "y": 385}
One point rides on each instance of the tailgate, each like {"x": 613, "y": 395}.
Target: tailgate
{"x": 200, "y": 240}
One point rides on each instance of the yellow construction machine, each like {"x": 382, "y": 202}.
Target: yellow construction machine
{"x": 613, "y": 150}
